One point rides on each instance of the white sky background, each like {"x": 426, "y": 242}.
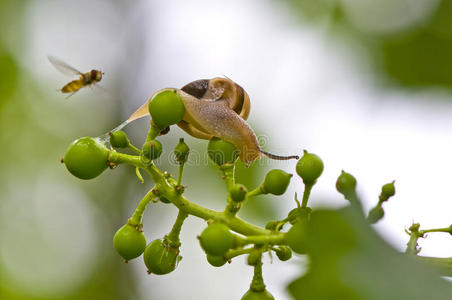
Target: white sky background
{"x": 308, "y": 91}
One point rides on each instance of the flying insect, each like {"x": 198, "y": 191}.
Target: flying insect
{"x": 86, "y": 79}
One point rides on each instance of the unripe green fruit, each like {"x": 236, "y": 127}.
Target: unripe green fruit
{"x": 161, "y": 259}
{"x": 375, "y": 214}
{"x": 296, "y": 237}
{"x": 216, "y": 239}
{"x": 152, "y": 150}
{"x": 86, "y": 158}
{"x": 284, "y": 253}
{"x": 276, "y": 182}
{"x": 181, "y": 151}
{"x": 166, "y": 108}
{"x": 271, "y": 225}
{"x": 238, "y": 192}
{"x": 388, "y": 190}
{"x": 119, "y": 139}
{"x": 254, "y": 257}
{"x": 252, "y": 295}
{"x": 309, "y": 167}
{"x": 346, "y": 184}
{"x": 221, "y": 152}
{"x": 129, "y": 242}
{"x": 216, "y": 261}
{"x": 298, "y": 213}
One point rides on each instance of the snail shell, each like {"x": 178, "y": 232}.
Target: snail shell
{"x": 219, "y": 108}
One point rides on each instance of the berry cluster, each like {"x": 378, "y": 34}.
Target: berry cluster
{"x": 226, "y": 236}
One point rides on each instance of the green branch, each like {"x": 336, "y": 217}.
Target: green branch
{"x": 173, "y": 236}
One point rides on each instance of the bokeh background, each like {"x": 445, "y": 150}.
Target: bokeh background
{"x": 363, "y": 84}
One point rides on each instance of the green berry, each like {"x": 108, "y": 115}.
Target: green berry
{"x": 161, "y": 259}
{"x": 309, "y": 167}
{"x": 271, "y": 225}
{"x": 216, "y": 261}
{"x": 346, "y": 184}
{"x": 253, "y": 295}
{"x": 86, "y": 158}
{"x": 375, "y": 214}
{"x": 152, "y": 150}
{"x": 216, "y": 239}
{"x": 254, "y": 257}
{"x": 221, "y": 152}
{"x": 238, "y": 192}
{"x": 166, "y": 108}
{"x": 119, "y": 139}
{"x": 284, "y": 253}
{"x": 276, "y": 182}
{"x": 296, "y": 237}
{"x": 181, "y": 151}
{"x": 298, "y": 213}
{"x": 129, "y": 242}
{"x": 387, "y": 191}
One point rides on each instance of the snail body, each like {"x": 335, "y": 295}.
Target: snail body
{"x": 217, "y": 108}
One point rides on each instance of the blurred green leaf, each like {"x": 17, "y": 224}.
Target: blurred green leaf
{"x": 8, "y": 75}
{"x": 350, "y": 261}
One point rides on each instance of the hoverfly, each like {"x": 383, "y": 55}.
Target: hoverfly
{"x": 86, "y": 79}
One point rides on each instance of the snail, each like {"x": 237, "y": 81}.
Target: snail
{"x": 217, "y": 107}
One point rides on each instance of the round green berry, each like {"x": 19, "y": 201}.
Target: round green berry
{"x": 296, "y": 237}
{"x": 119, "y": 139}
{"x": 271, "y": 225}
{"x": 161, "y": 259}
{"x": 238, "y": 192}
{"x": 346, "y": 184}
{"x": 166, "y": 108}
{"x": 254, "y": 295}
{"x": 388, "y": 190}
{"x": 375, "y": 214}
{"x": 276, "y": 182}
{"x": 309, "y": 167}
{"x": 181, "y": 151}
{"x": 216, "y": 239}
{"x": 221, "y": 152}
{"x": 284, "y": 253}
{"x": 129, "y": 242}
{"x": 152, "y": 150}
{"x": 216, "y": 261}
{"x": 86, "y": 158}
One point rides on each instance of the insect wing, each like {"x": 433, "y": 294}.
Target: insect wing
{"x": 63, "y": 67}
{"x": 102, "y": 91}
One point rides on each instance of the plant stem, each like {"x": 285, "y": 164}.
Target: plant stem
{"x": 257, "y": 191}
{"x": 138, "y": 214}
{"x": 412, "y": 246}
{"x": 257, "y": 284}
{"x": 179, "y": 176}
{"x": 167, "y": 189}
{"x": 228, "y": 174}
{"x": 236, "y": 252}
{"x": 274, "y": 239}
{"x": 306, "y": 193}
{"x": 134, "y": 149}
{"x": 173, "y": 236}
{"x": 121, "y": 158}
{"x": 445, "y": 229}
{"x": 152, "y": 133}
